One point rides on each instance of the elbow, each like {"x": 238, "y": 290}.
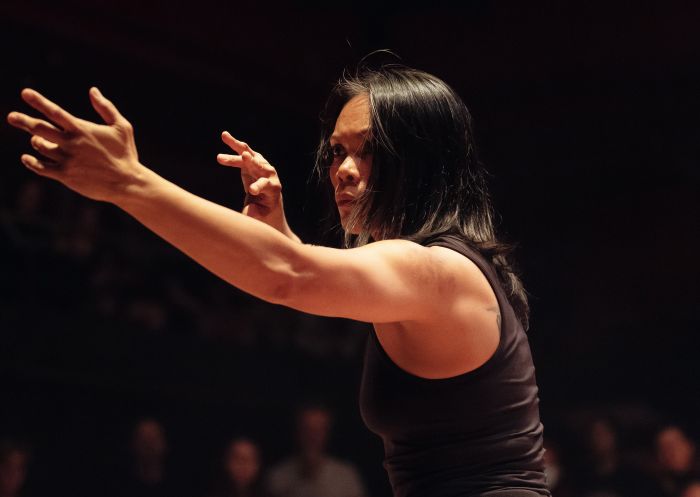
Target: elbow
{"x": 280, "y": 292}
{"x": 288, "y": 284}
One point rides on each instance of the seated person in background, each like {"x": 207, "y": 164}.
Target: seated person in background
{"x": 13, "y": 468}
{"x": 677, "y": 465}
{"x": 146, "y": 475}
{"x": 312, "y": 472}
{"x": 241, "y": 465}
{"x": 692, "y": 489}
{"x": 558, "y": 479}
{"x": 607, "y": 471}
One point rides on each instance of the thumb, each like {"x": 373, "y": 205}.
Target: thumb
{"x": 106, "y": 109}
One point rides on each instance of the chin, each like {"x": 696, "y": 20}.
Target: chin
{"x": 344, "y": 224}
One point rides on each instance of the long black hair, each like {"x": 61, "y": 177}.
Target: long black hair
{"x": 425, "y": 180}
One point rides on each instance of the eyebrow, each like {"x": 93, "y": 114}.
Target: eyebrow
{"x": 359, "y": 134}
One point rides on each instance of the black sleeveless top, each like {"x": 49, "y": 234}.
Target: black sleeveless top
{"x": 464, "y": 435}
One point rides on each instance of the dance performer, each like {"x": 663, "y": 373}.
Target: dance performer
{"x": 448, "y": 380}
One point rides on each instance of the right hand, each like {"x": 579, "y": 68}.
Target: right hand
{"x": 98, "y": 161}
{"x": 263, "y": 199}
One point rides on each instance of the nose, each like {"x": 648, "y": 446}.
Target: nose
{"x": 348, "y": 171}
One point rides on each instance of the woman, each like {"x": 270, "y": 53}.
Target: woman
{"x": 448, "y": 382}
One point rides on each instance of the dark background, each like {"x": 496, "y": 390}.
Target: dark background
{"x": 587, "y": 114}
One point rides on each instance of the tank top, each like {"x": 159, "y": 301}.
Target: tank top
{"x": 466, "y": 435}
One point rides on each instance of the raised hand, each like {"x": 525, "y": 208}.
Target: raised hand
{"x": 98, "y": 161}
{"x": 263, "y": 200}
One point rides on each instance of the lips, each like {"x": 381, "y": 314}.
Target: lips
{"x": 344, "y": 199}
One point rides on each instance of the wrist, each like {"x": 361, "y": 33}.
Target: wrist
{"x": 138, "y": 186}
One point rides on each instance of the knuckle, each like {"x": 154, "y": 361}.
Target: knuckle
{"x": 127, "y": 126}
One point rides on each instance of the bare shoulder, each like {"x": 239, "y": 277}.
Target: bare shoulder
{"x": 462, "y": 275}
{"x": 461, "y": 330}
{"x": 441, "y": 269}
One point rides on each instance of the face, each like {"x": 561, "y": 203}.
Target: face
{"x": 313, "y": 430}
{"x": 243, "y": 462}
{"x": 674, "y": 451}
{"x": 13, "y": 471}
{"x": 149, "y": 439}
{"x": 352, "y": 162}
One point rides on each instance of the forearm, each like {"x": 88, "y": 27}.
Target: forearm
{"x": 247, "y": 253}
{"x": 274, "y": 218}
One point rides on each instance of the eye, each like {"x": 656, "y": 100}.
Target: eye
{"x": 337, "y": 150}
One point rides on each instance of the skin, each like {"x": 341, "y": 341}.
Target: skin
{"x": 674, "y": 451}
{"x": 313, "y": 428}
{"x": 434, "y": 311}
{"x": 351, "y": 165}
{"x": 242, "y": 463}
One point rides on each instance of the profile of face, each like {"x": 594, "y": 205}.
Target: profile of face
{"x": 148, "y": 440}
{"x": 13, "y": 472}
{"x": 313, "y": 429}
{"x": 674, "y": 451}
{"x": 352, "y": 161}
{"x": 242, "y": 463}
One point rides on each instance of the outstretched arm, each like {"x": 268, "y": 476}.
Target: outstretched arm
{"x": 385, "y": 281}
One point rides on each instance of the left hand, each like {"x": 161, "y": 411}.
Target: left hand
{"x": 98, "y": 161}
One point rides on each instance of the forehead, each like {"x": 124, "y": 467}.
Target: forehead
{"x": 353, "y": 120}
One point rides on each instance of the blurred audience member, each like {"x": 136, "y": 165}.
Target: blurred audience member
{"x": 147, "y": 476}
{"x": 606, "y": 474}
{"x": 312, "y": 472}
{"x": 558, "y": 480}
{"x": 241, "y": 466}
{"x": 13, "y": 468}
{"x": 677, "y": 464}
{"x": 692, "y": 489}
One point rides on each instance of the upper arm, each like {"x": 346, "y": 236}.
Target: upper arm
{"x": 386, "y": 281}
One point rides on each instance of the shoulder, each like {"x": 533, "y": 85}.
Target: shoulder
{"x": 447, "y": 265}
{"x": 283, "y": 470}
{"x": 343, "y": 473}
{"x": 340, "y": 466}
{"x": 462, "y": 267}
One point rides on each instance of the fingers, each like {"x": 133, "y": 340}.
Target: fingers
{"x": 230, "y": 160}
{"x": 254, "y": 163}
{"x": 35, "y": 126}
{"x": 237, "y": 145}
{"x": 47, "y": 149}
{"x": 258, "y": 185}
{"x": 42, "y": 167}
{"x": 52, "y": 111}
{"x": 104, "y": 107}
